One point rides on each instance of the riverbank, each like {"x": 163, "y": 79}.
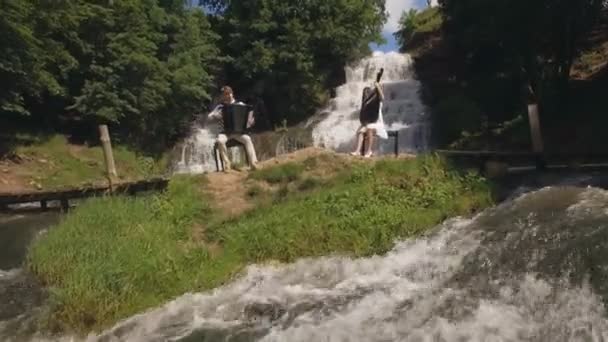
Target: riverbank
{"x": 22, "y": 298}
{"x": 114, "y": 257}
{"x": 38, "y": 162}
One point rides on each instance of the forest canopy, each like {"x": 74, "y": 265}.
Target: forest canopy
{"x": 148, "y": 67}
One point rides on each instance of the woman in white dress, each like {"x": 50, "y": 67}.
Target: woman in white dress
{"x": 372, "y": 122}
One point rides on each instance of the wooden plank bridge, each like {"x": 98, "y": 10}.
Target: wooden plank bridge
{"x": 63, "y": 196}
{"x": 527, "y": 159}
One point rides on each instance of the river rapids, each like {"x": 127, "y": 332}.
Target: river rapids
{"x": 534, "y": 268}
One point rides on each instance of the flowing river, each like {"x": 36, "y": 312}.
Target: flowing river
{"x": 22, "y": 299}
{"x": 533, "y": 268}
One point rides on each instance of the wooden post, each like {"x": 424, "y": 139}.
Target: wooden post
{"x": 537, "y": 139}
{"x": 396, "y": 143}
{"x": 535, "y": 133}
{"x": 109, "y": 157}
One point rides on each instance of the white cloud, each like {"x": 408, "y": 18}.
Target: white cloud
{"x": 396, "y": 7}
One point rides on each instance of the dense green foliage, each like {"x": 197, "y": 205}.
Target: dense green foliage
{"x": 289, "y": 53}
{"x": 148, "y": 67}
{"x": 535, "y": 41}
{"x": 144, "y": 66}
{"x": 414, "y": 25}
{"x": 113, "y": 257}
{"x": 486, "y": 60}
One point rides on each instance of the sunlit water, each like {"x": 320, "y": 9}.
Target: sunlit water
{"x": 196, "y": 151}
{"x": 334, "y": 127}
{"x": 532, "y": 269}
{"x": 402, "y": 109}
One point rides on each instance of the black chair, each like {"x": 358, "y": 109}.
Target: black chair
{"x": 229, "y": 144}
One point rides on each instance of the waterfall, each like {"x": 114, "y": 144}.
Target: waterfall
{"x": 403, "y": 109}
{"x": 335, "y": 129}
{"x": 195, "y": 154}
{"x": 530, "y": 269}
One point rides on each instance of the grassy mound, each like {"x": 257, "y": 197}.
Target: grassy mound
{"x": 54, "y": 163}
{"x": 114, "y": 257}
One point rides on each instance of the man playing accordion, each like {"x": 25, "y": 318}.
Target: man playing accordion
{"x": 228, "y": 130}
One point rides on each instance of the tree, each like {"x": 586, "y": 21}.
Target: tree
{"x": 289, "y": 53}
{"x": 538, "y": 39}
{"x": 144, "y": 66}
{"x": 22, "y": 62}
{"x": 147, "y": 67}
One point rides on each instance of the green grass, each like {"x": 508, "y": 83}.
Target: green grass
{"x": 360, "y": 214}
{"x": 115, "y": 257}
{"x": 287, "y": 172}
{"x": 54, "y": 163}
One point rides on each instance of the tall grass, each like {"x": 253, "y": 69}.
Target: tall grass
{"x": 114, "y": 257}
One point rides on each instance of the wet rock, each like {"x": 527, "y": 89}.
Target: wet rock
{"x": 264, "y": 311}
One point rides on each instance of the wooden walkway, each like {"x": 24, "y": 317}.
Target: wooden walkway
{"x": 65, "y": 195}
{"x": 540, "y": 161}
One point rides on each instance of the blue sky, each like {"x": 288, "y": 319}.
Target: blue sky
{"x": 395, "y": 8}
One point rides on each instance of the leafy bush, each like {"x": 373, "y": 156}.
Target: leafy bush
{"x": 455, "y": 115}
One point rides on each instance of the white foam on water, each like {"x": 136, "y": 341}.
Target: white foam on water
{"x": 380, "y": 283}
{"x": 419, "y": 291}
{"x": 9, "y": 274}
{"x": 196, "y": 155}
{"x": 403, "y": 109}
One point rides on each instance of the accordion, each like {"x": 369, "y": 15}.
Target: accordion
{"x": 235, "y": 117}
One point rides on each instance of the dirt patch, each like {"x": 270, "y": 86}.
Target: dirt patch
{"x": 228, "y": 192}
{"x": 231, "y": 193}
{"x": 297, "y": 156}
{"x": 14, "y": 178}
{"x": 197, "y": 236}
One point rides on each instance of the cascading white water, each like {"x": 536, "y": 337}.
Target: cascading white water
{"x": 533, "y": 268}
{"x": 196, "y": 152}
{"x": 530, "y": 269}
{"x": 403, "y": 109}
